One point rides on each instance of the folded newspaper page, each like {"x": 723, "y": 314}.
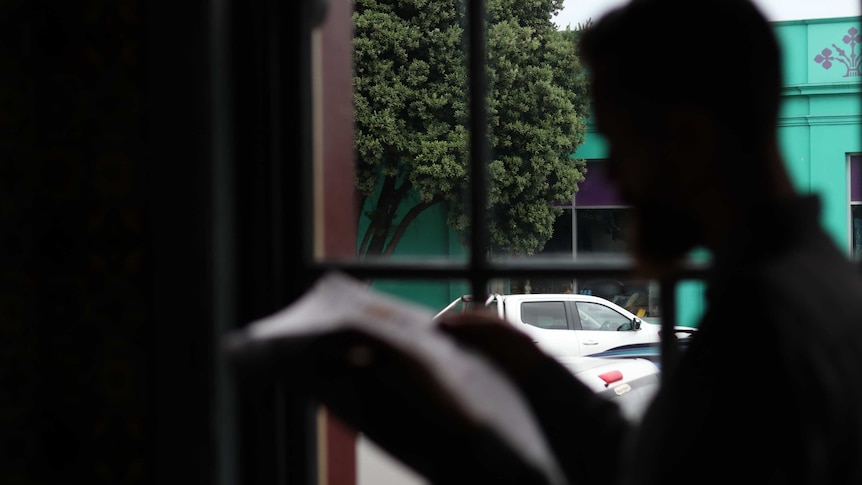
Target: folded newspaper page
{"x": 338, "y": 302}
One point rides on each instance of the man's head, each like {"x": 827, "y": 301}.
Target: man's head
{"x": 686, "y": 94}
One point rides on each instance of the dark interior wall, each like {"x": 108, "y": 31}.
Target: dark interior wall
{"x": 105, "y": 316}
{"x": 75, "y": 286}
{"x": 177, "y": 169}
{"x": 150, "y": 199}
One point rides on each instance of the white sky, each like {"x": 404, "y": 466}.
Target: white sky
{"x": 578, "y": 11}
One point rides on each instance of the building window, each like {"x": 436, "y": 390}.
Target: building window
{"x": 592, "y": 226}
{"x": 855, "y": 181}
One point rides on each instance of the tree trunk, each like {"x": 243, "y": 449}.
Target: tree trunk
{"x": 405, "y": 222}
{"x": 383, "y": 216}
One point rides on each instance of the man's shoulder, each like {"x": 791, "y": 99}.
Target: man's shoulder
{"x": 806, "y": 290}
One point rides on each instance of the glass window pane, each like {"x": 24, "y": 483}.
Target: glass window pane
{"x": 856, "y": 217}
{"x": 429, "y": 294}
{"x": 601, "y": 232}
{"x": 400, "y": 192}
{"x": 600, "y": 317}
{"x": 855, "y": 175}
{"x": 544, "y": 314}
{"x": 411, "y": 136}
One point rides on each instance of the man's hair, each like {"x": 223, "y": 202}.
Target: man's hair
{"x": 717, "y": 55}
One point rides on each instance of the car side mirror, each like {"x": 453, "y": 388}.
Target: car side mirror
{"x": 636, "y": 323}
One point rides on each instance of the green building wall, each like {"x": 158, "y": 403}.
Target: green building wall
{"x": 819, "y": 127}
{"x": 820, "y": 120}
{"x": 427, "y": 237}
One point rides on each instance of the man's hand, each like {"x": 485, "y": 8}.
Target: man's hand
{"x": 400, "y": 405}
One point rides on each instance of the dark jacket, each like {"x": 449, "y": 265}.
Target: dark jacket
{"x": 768, "y": 392}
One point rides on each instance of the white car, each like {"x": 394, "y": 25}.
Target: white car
{"x": 630, "y": 382}
{"x": 571, "y": 325}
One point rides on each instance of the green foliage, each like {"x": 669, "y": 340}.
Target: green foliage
{"x": 411, "y": 116}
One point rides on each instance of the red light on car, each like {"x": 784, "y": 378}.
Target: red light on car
{"x": 611, "y": 377}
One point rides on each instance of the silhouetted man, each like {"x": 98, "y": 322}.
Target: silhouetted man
{"x": 686, "y": 94}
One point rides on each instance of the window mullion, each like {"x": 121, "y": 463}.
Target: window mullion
{"x": 479, "y": 150}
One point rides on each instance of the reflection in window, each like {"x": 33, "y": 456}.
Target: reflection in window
{"x": 599, "y": 317}
{"x": 600, "y": 231}
{"x": 593, "y": 225}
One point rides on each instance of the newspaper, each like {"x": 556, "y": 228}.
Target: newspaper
{"x": 337, "y": 301}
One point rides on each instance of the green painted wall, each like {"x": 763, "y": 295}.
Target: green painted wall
{"x": 819, "y": 126}
{"x": 428, "y": 237}
{"x": 820, "y": 120}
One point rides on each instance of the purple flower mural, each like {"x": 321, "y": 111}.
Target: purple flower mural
{"x": 826, "y": 58}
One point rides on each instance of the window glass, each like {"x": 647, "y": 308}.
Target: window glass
{"x": 432, "y": 295}
{"x": 855, "y": 174}
{"x": 406, "y": 193}
{"x": 601, "y": 232}
{"x": 599, "y": 317}
{"x": 856, "y": 216}
{"x": 545, "y": 314}
{"x": 410, "y": 93}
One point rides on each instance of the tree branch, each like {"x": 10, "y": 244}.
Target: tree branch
{"x": 386, "y": 214}
{"x": 408, "y": 218}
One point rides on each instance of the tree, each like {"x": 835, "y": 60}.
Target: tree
{"x": 411, "y": 116}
